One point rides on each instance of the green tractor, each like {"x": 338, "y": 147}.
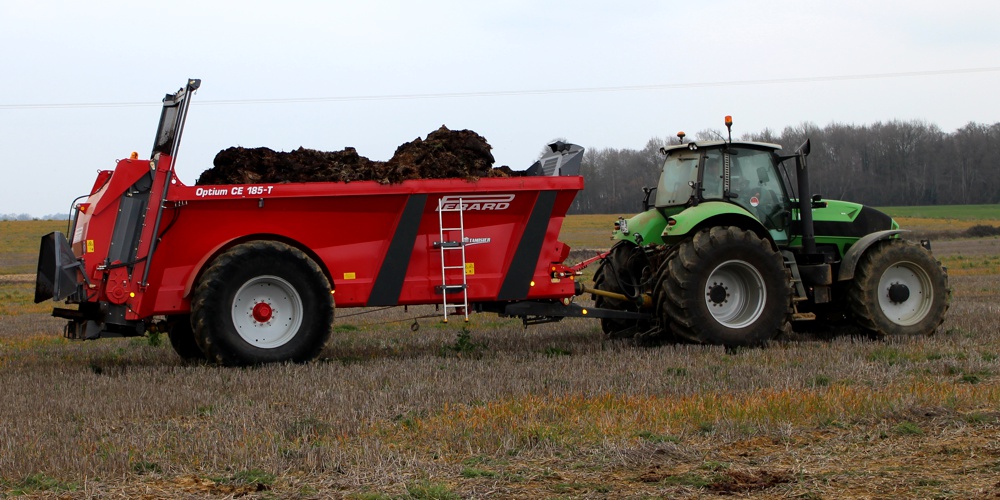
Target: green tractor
{"x": 727, "y": 254}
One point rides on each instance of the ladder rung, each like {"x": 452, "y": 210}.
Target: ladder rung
{"x": 447, "y": 245}
{"x": 454, "y": 267}
{"x": 449, "y": 288}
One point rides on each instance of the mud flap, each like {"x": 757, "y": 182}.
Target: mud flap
{"x": 56, "y": 278}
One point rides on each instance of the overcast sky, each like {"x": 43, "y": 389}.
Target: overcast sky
{"x": 520, "y": 73}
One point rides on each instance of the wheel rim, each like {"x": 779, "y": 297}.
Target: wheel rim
{"x": 735, "y": 294}
{"x": 905, "y": 293}
{"x": 267, "y": 312}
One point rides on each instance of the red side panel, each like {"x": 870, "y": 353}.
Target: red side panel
{"x": 376, "y": 241}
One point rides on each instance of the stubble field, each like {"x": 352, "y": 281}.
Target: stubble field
{"x": 498, "y": 411}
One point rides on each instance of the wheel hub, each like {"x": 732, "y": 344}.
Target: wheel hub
{"x": 717, "y": 293}
{"x": 906, "y": 293}
{"x": 735, "y": 294}
{"x": 898, "y": 293}
{"x": 262, "y": 312}
{"x": 267, "y": 311}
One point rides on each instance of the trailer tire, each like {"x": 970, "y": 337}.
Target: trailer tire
{"x": 726, "y": 286}
{"x": 617, "y": 274}
{"x": 182, "y": 338}
{"x": 899, "y": 288}
{"x": 262, "y": 302}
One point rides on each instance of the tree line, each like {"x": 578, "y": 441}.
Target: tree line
{"x": 27, "y": 216}
{"x": 893, "y": 163}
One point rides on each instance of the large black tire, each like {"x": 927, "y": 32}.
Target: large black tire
{"x": 182, "y": 338}
{"x": 262, "y": 302}
{"x": 726, "y": 286}
{"x": 620, "y": 272}
{"x": 899, "y": 289}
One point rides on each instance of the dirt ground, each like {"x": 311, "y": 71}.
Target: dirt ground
{"x": 549, "y": 412}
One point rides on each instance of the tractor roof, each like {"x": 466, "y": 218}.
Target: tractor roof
{"x": 715, "y": 143}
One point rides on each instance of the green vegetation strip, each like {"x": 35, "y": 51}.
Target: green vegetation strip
{"x": 962, "y": 212}
{"x": 579, "y": 421}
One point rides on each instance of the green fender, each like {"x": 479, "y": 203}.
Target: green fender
{"x": 649, "y": 225}
{"x": 853, "y": 255}
{"x": 691, "y": 219}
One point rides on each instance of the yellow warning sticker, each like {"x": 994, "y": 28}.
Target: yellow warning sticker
{"x": 470, "y": 268}
{"x": 90, "y": 246}
{"x": 349, "y": 276}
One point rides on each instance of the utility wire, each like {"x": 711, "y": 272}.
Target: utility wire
{"x": 509, "y": 93}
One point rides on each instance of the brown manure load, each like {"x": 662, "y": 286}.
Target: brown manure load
{"x": 444, "y": 154}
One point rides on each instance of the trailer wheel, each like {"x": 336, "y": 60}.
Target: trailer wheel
{"x": 899, "y": 289}
{"x": 182, "y": 338}
{"x": 726, "y": 286}
{"x": 620, "y": 272}
{"x": 262, "y": 302}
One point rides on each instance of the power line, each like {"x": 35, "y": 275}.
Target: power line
{"x": 512, "y": 93}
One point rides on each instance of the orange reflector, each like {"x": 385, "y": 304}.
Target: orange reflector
{"x": 532, "y": 282}
{"x": 83, "y": 207}
{"x": 584, "y": 312}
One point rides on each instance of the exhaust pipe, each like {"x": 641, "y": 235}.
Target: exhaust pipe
{"x": 805, "y": 199}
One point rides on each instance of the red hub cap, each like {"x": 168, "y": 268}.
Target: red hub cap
{"x": 262, "y": 312}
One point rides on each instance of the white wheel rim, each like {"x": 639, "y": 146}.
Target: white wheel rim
{"x": 267, "y": 312}
{"x": 735, "y": 294}
{"x": 920, "y": 294}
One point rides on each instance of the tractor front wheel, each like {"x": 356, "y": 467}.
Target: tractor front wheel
{"x": 262, "y": 302}
{"x": 726, "y": 286}
{"x": 899, "y": 289}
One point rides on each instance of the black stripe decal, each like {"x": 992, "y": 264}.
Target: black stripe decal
{"x": 389, "y": 282}
{"x": 517, "y": 283}
{"x": 868, "y": 221}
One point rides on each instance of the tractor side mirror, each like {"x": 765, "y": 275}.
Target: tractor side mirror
{"x": 645, "y": 200}
{"x": 817, "y": 201}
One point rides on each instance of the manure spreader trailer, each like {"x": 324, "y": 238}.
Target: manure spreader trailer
{"x": 249, "y": 274}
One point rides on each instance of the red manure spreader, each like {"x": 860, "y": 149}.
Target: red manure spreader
{"x": 248, "y": 274}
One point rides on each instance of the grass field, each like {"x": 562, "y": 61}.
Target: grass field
{"x": 494, "y": 410}
{"x": 20, "y": 240}
{"x": 984, "y": 213}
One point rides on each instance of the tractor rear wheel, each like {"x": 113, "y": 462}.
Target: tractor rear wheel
{"x": 899, "y": 289}
{"x": 262, "y": 302}
{"x": 620, "y": 272}
{"x": 726, "y": 286}
{"x": 182, "y": 338}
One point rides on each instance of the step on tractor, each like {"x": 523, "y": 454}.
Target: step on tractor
{"x": 728, "y": 253}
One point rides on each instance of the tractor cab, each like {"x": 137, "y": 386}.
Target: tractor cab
{"x": 721, "y": 174}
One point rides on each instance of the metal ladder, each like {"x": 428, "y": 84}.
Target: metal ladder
{"x": 449, "y": 246}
